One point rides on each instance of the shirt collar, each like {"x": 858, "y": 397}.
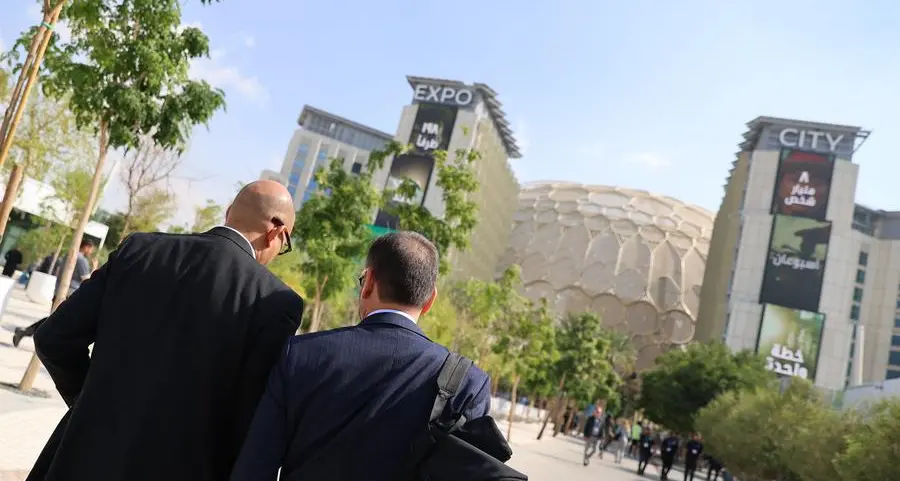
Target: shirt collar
{"x": 250, "y": 244}
{"x": 392, "y": 311}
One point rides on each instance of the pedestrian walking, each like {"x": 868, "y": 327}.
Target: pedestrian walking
{"x": 347, "y": 404}
{"x": 645, "y": 450}
{"x": 636, "y": 432}
{"x": 667, "y": 451}
{"x": 185, "y": 330}
{"x": 714, "y": 468}
{"x": 620, "y": 440}
{"x": 593, "y": 430}
{"x": 81, "y": 273}
{"x": 693, "y": 450}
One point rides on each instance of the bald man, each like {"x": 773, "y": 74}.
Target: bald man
{"x": 185, "y": 330}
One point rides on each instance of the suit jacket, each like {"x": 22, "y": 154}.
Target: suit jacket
{"x": 351, "y": 400}
{"x": 185, "y": 330}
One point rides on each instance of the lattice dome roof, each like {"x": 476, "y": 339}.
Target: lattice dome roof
{"x": 634, "y": 257}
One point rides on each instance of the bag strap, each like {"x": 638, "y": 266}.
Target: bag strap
{"x": 449, "y": 381}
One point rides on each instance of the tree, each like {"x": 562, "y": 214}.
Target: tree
{"x": 334, "y": 227}
{"x": 48, "y": 137}
{"x": 761, "y": 434}
{"x": 872, "y": 448}
{"x": 116, "y": 223}
{"x": 526, "y": 345}
{"x": 150, "y": 209}
{"x": 287, "y": 268}
{"x": 456, "y": 178}
{"x": 585, "y": 351}
{"x": 439, "y": 324}
{"x": 683, "y": 382}
{"x": 125, "y": 73}
{"x": 146, "y": 167}
{"x": 28, "y": 69}
{"x": 207, "y": 216}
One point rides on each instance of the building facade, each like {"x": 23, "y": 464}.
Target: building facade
{"x": 320, "y": 137}
{"x": 450, "y": 115}
{"x": 784, "y": 261}
{"x": 443, "y": 115}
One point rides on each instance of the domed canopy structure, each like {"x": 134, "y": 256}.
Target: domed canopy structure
{"x": 635, "y": 258}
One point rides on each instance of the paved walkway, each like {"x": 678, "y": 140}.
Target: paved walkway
{"x": 25, "y": 421}
{"x": 560, "y": 459}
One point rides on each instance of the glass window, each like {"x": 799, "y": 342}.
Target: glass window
{"x": 294, "y": 178}
{"x": 898, "y": 303}
{"x": 857, "y": 294}
{"x": 894, "y": 358}
{"x": 860, "y": 276}
{"x": 895, "y": 340}
{"x": 897, "y": 322}
{"x": 863, "y": 258}
{"x": 892, "y": 374}
{"x": 854, "y": 312}
{"x": 292, "y": 189}
{"x": 356, "y": 168}
{"x": 322, "y": 157}
{"x": 302, "y": 152}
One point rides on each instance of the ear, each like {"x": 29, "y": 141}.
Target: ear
{"x": 427, "y": 306}
{"x": 272, "y": 235}
{"x": 368, "y": 286}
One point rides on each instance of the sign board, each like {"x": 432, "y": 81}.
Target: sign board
{"x": 809, "y": 139}
{"x": 441, "y": 94}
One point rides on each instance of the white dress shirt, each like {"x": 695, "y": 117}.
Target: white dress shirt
{"x": 393, "y": 311}
{"x": 249, "y": 244}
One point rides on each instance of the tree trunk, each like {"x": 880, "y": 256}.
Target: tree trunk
{"x": 9, "y": 198}
{"x": 65, "y": 277}
{"x": 552, "y": 407}
{"x": 317, "y": 306}
{"x": 56, "y": 254}
{"x": 28, "y": 74}
{"x": 512, "y": 407}
{"x": 571, "y": 424}
{"x": 495, "y": 385}
{"x": 531, "y": 404}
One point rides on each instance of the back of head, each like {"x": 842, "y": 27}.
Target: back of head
{"x": 404, "y": 266}
{"x": 263, "y": 211}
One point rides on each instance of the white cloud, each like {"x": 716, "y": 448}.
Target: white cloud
{"x": 228, "y": 77}
{"x": 649, "y": 160}
{"x": 248, "y": 40}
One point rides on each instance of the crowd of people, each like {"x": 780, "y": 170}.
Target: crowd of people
{"x": 644, "y": 442}
{"x": 178, "y": 360}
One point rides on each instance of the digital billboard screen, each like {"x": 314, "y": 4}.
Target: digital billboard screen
{"x": 790, "y": 339}
{"x": 432, "y": 128}
{"x": 803, "y": 184}
{"x": 795, "y": 267}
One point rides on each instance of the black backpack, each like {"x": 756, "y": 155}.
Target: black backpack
{"x": 453, "y": 448}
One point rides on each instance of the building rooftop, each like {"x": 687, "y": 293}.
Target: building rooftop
{"x": 308, "y": 110}
{"x": 493, "y": 105}
{"x": 756, "y": 126}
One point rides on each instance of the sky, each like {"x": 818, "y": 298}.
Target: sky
{"x": 645, "y": 95}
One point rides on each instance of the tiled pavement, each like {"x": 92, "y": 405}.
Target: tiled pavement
{"x": 25, "y": 421}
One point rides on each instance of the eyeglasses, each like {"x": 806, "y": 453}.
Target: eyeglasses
{"x": 362, "y": 278}
{"x": 286, "y": 243}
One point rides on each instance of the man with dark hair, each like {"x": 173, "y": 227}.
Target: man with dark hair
{"x": 346, "y": 404}
{"x": 185, "y": 329}
{"x": 81, "y": 273}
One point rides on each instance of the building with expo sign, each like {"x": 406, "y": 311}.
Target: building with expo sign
{"x": 443, "y": 115}
{"x": 782, "y": 271}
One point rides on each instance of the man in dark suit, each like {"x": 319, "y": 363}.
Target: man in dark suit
{"x": 345, "y": 405}
{"x": 185, "y": 330}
